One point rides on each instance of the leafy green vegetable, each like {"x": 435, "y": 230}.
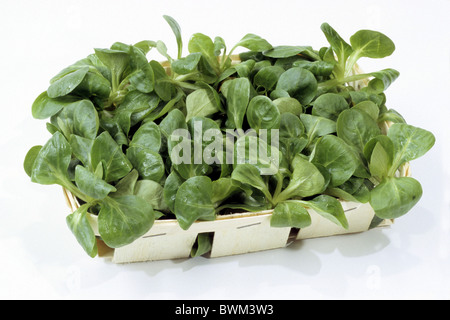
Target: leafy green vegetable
{"x": 356, "y": 128}
{"x": 105, "y": 150}
{"x": 409, "y": 142}
{"x": 194, "y": 202}
{"x": 394, "y": 197}
{"x": 336, "y": 156}
{"x": 299, "y": 83}
{"x": 79, "y": 224}
{"x": 263, "y": 114}
{"x": 290, "y": 214}
{"x": 201, "y": 103}
{"x": 203, "y": 245}
{"x": 238, "y": 97}
{"x": 92, "y": 185}
{"x": 67, "y": 84}
{"x": 283, "y": 128}
{"x": 122, "y": 220}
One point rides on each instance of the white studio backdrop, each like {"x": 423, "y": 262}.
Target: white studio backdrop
{"x": 40, "y": 257}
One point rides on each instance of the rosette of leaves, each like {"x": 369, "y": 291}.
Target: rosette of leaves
{"x": 114, "y": 118}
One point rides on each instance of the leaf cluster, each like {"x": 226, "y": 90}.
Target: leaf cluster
{"x": 115, "y": 119}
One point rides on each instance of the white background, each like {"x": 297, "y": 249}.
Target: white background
{"x": 39, "y": 258}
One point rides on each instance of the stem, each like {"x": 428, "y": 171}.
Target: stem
{"x": 336, "y": 82}
{"x": 283, "y": 196}
{"x": 279, "y": 178}
{"x": 350, "y": 63}
{"x": 186, "y": 85}
{"x": 115, "y": 81}
{"x": 375, "y": 181}
{"x": 76, "y": 192}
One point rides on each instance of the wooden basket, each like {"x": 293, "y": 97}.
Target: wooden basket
{"x": 235, "y": 233}
{"x": 232, "y": 234}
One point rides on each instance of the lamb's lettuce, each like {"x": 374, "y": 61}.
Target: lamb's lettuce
{"x": 120, "y": 125}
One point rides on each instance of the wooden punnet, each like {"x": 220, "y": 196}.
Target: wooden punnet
{"x": 233, "y": 234}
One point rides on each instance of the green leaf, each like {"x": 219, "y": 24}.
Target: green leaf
{"x": 342, "y": 49}
{"x": 147, "y": 136}
{"x": 169, "y": 106}
{"x": 288, "y": 105}
{"x": 409, "y": 142}
{"x": 284, "y": 51}
{"x": 385, "y": 142}
{"x": 122, "y": 220}
{"x": 354, "y": 190}
{"x": 79, "y": 224}
{"x": 203, "y": 44}
{"x": 238, "y": 97}
{"x": 317, "y": 126}
{"x": 106, "y": 150}
{"x": 392, "y": 116}
{"x": 329, "y": 105}
{"x": 383, "y": 79}
{"x": 254, "y": 43}
{"x": 162, "y": 49}
{"x": 52, "y": 162}
{"x": 68, "y": 83}
{"x": 219, "y": 46}
{"x": 317, "y": 68}
{"x": 371, "y": 44}
{"x": 330, "y": 208}
{"x": 177, "y": 32}
{"x": 82, "y": 149}
{"x": 153, "y": 193}
{"x": 115, "y": 125}
{"x": 143, "y": 77}
{"x": 291, "y": 215}
{"x": 203, "y": 245}
{"x": 145, "y": 46}
{"x": 117, "y": 61}
{"x": 171, "y": 186}
{"x": 291, "y": 126}
{"x": 306, "y": 180}
{"x": 136, "y": 106}
{"x": 193, "y": 202}
{"x": 370, "y": 108}
{"x": 260, "y": 153}
{"x": 299, "y": 83}
{"x": 292, "y": 140}
{"x": 30, "y": 158}
{"x": 224, "y": 188}
{"x": 79, "y": 118}
{"x": 380, "y": 161}
{"x": 147, "y": 162}
{"x": 45, "y": 107}
{"x": 335, "y": 155}
{"x": 182, "y": 153}
{"x": 127, "y": 185}
{"x": 395, "y": 197}
{"x": 95, "y": 86}
{"x": 201, "y": 103}
{"x": 268, "y": 77}
{"x": 186, "y": 65}
{"x": 356, "y": 128}
{"x": 262, "y": 113}
{"x": 250, "y": 175}
{"x": 201, "y": 130}
{"x": 91, "y": 185}
{"x": 174, "y": 120}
